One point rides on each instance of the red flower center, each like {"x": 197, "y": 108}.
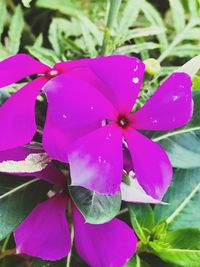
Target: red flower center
{"x": 123, "y": 121}
{"x": 51, "y": 73}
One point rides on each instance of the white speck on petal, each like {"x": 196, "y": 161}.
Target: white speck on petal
{"x": 136, "y": 68}
{"x": 175, "y": 97}
{"x": 64, "y": 116}
{"x": 91, "y": 108}
{"x": 135, "y": 80}
{"x": 99, "y": 159}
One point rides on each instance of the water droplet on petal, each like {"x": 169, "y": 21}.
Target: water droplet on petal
{"x": 64, "y": 116}
{"x": 135, "y": 80}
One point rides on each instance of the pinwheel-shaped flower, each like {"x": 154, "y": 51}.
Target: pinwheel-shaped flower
{"x": 45, "y": 232}
{"x": 100, "y": 100}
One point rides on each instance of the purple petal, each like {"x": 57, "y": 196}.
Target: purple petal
{"x": 170, "y": 107}
{"x": 18, "y": 67}
{"x": 119, "y": 78}
{"x": 96, "y": 160}
{"x": 122, "y": 76}
{"x": 151, "y": 164}
{"x": 17, "y": 116}
{"x": 108, "y": 244}
{"x": 45, "y": 232}
{"x": 74, "y": 109}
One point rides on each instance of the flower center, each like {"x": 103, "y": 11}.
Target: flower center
{"x": 51, "y": 73}
{"x": 123, "y": 121}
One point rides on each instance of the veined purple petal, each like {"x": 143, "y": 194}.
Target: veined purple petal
{"x": 17, "y": 116}
{"x": 108, "y": 244}
{"x": 74, "y": 109}
{"x": 45, "y": 232}
{"x": 170, "y": 107}
{"x": 18, "y": 67}
{"x": 151, "y": 164}
{"x": 96, "y": 160}
{"x": 50, "y": 173}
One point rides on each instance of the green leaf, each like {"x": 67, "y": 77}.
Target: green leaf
{"x": 26, "y": 3}
{"x": 153, "y": 16}
{"x": 178, "y": 15}
{"x": 128, "y": 17}
{"x": 3, "y": 12}
{"x": 183, "y": 197}
{"x": 136, "y": 48}
{"x": 96, "y": 208}
{"x": 137, "y": 262}
{"x": 182, "y": 145}
{"x": 15, "y": 31}
{"x": 142, "y": 220}
{"x": 191, "y": 67}
{"x": 185, "y": 50}
{"x": 196, "y": 82}
{"x": 179, "y": 247}
{"x": 18, "y": 196}
{"x": 45, "y": 55}
{"x": 142, "y": 32}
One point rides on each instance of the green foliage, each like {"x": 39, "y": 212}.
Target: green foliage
{"x": 18, "y": 196}
{"x": 96, "y": 208}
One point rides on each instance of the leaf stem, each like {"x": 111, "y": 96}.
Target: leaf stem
{"x": 3, "y": 249}
{"x": 114, "y": 6}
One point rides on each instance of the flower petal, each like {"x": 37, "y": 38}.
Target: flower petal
{"x": 122, "y": 76}
{"x": 170, "y": 107}
{"x": 136, "y": 194}
{"x": 108, "y": 244}
{"x": 45, "y": 232}
{"x": 74, "y": 109}
{"x": 96, "y": 160}
{"x": 50, "y": 173}
{"x": 19, "y": 66}
{"x": 17, "y": 116}
{"x": 118, "y": 77}
{"x": 151, "y": 164}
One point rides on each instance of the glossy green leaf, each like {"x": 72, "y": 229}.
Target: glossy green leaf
{"x": 183, "y": 197}
{"x": 142, "y": 220}
{"x": 179, "y": 247}
{"x": 3, "y": 12}
{"x": 18, "y": 196}
{"x": 96, "y": 208}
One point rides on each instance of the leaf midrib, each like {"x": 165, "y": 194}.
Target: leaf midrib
{"x": 18, "y": 188}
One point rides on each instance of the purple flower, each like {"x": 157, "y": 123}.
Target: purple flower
{"x": 93, "y": 120}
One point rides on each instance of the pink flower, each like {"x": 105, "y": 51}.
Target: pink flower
{"x": 93, "y": 119}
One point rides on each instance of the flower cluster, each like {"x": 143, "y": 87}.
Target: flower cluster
{"x": 89, "y": 124}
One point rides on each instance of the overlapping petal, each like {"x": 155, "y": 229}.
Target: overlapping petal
{"x": 96, "y": 160}
{"x": 122, "y": 76}
{"x": 151, "y": 164}
{"x": 17, "y": 116}
{"x": 19, "y": 66}
{"x": 74, "y": 109}
{"x": 45, "y": 232}
{"x": 108, "y": 244}
{"x": 170, "y": 107}
{"x": 50, "y": 173}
